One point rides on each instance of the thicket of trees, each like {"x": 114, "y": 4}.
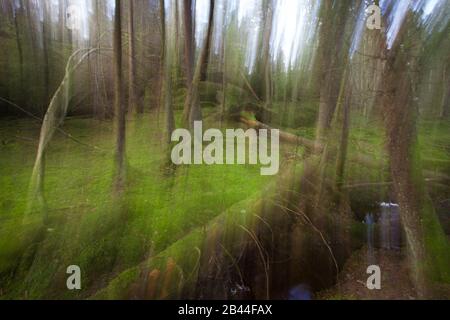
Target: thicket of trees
{"x": 120, "y": 59}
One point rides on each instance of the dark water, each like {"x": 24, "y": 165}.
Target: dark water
{"x": 390, "y": 226}
{"x": 369, "y": 221}
{"x": 300, "y": 292}
{"x": 383, "y": 230}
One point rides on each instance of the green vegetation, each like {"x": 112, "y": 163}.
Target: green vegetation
{"x": 87, "y": 227}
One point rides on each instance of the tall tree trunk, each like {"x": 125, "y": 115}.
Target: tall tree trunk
{"x": 344, "y": 117}
{"x": 189, "y": 45}
{"x": 445, "y": 104}
{"x": 162, "y": 60}
{"x": 19, "y": 46}
{"x": 61, "y": 22}
{"x": 400, "y": 115}
{"x": 224, "y": 65}
{"x": 132, "y": 99}
{"x": 192, "y": 107}
{"x": 166, "y": 87}
{"x": 119, "y": 107}
{"x": 46, "y": 40}
{"x": 329, "y": 68}
{"x": 177, "y": 30}
{"x": 31, "y": 26}
{"x": 266, "y": 61}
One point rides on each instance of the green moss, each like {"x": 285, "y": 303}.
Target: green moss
{"x": 86, "y": 227}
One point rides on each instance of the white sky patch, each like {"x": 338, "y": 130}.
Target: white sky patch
{"x": 399, "y": 14}
{"x": 201, "y": 20}
{"x": 290, "y": 27}
{"x": 289, "y": 31}
{"x": 430, "y": 6}
{"x": 249, "y": 11}
{"x": 80, "y": 22}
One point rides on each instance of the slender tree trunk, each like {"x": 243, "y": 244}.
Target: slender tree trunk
{"x": 224, "y": 67}
{"x": 266, "y": 60}
{"x": 61, "y": 22}
{"x": 132, "y": 99}
{"x": 162, "y": 61}
{"x": 177, "y": 30}
{"x": 19, "y": 46}
{"x": 166, "y": 87}
{"x": 31, "y": 26}
{"x": 192, "y": 103}
{"x": 189, "y": 40}
{"x": 119, "y": 107}
{"x": 46, "y": 38}
{"x": 330, "y": 70}
{"x": 343, "y": 144}
{"x": 189, "y": 50}
{"x": 445, "y": 104}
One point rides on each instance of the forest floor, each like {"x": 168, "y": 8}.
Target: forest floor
{"x": 86, "y": 227}
{"x": 395, "y": 281}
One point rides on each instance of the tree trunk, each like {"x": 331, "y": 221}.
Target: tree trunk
{"x": 46, "y": 40}
{"x": 19, "y": 46}
{"x": 445, "y": 105}
{"x": 132, "y": 100}
{"x": 167, "y": 72}
{"x": 329, "y": 69}
{"x": 343, "y": 144}
{"x": 267, "y": 63}
{"x": 119, "y": 107}
{"x": 428, "y": 246}
{"x": 189, "y": 52}
{"x": 162, "y": 60}
{"x": 192, "y": 107}
{"x": 189, "y": 41}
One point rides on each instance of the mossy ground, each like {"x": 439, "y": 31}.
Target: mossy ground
{"x": 161, "y": 205}
{"x": 87, "y": 227}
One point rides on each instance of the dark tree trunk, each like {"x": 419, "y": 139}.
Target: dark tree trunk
{"x": 416, "y": 209}
{"x": 166, "y": 92}
{"x": 189, "y": 41}
{"x": 19, "y": 46}
{"x": 132, "y": 99}
{"x": 46, "y": 40}
{"x": 119, "y": 107}
{"x": 330, "y": 65}
{"x": 192, "y": 107}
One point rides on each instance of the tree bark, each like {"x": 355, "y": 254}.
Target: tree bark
{"x": 132, "y": 99}
{"x": 329, "y": 65}
{"x": 119, "y": 107}
{"x": 192, "y": 109}
{"x": 19, "y": 45}
{"x": 267, "y": 63}
{"x": 400, "y": 122}
{"x": 189, "y": 41}
{"x": 46, "y": 37}
{"x": 166, "y": 77}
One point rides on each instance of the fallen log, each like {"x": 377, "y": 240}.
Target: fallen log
{"x": 284, "y": 136}
{"x": 317, "y": 148}
{"x": 312, "y": 146}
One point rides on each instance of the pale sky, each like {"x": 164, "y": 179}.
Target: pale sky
{"x": 292, "y": 19}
